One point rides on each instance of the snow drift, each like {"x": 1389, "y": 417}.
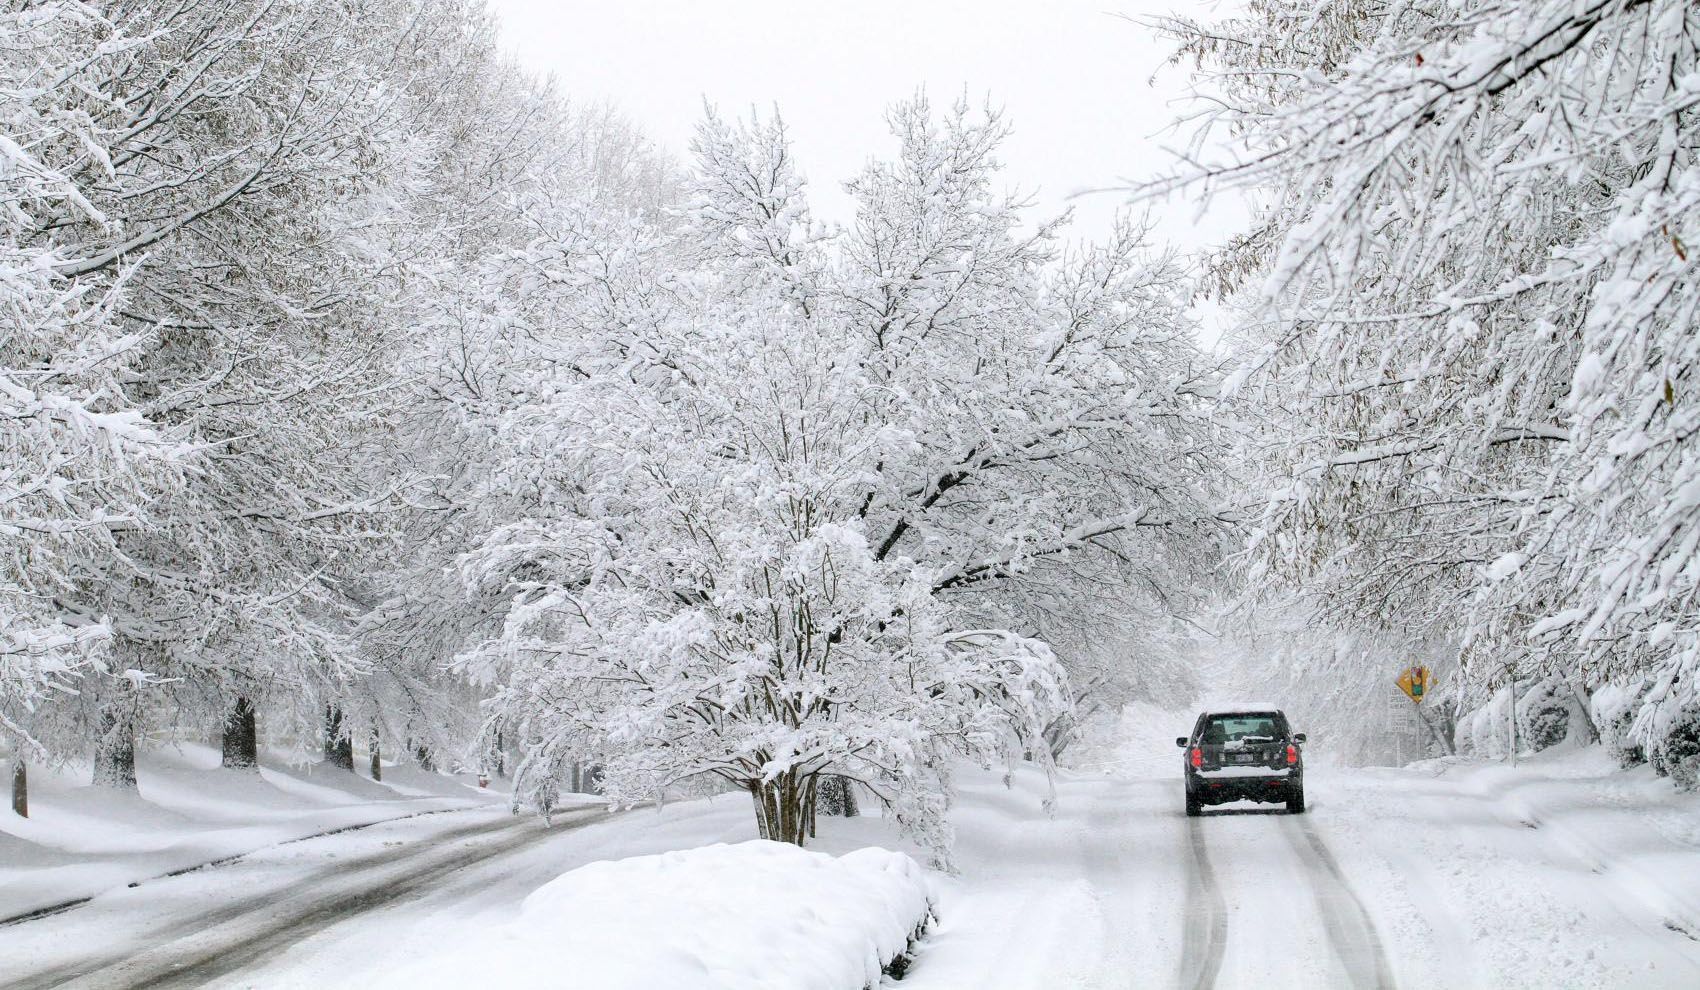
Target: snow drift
{"x": 752, "y": 916}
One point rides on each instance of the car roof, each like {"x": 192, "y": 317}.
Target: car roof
{"x": 1245, "y": 708}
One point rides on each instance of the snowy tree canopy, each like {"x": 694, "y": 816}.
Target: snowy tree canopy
{"x": 802, "y": 510}
{"x": 1472, "y": 363}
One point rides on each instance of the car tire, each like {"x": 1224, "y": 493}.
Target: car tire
{"x": 1296, "y": 801}
{"x": 1193, "y": 808}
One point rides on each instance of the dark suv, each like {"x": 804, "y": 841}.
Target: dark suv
{"x": 1244, "y": 753}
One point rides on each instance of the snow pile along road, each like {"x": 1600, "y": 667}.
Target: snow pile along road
{"x": 747, "y": 916}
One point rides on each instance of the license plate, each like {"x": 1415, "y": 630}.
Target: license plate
{"x": 1244, "y": 758}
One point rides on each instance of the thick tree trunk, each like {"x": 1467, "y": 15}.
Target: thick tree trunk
{"x": 339, "y": 746}
{"x": 377, "y": 757}
{"x": 422, "y": 756}
{"x": 242, "y": 737}
{"x": 115, "y": 750}
{"x": 783, "y": 809}
{"x": 20, "y": 789}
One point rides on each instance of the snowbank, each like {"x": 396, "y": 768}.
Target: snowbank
{"x": 724, "y": 917}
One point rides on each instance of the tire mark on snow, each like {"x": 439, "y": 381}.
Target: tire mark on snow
{"x": 1206, "y": 934}
{"x": 224, "y": 957}
{"x": 52, "y": 910}
{"x": 1350, "y": 929}
{"x": 297, "y": 917}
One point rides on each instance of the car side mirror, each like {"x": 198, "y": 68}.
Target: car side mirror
{"x": 1180, "y": 741}
{"x": 1298, "y": 737}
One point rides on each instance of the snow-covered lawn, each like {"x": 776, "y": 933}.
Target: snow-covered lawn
{"x": 81, "y": 840}
{"x": 748, "y": 916}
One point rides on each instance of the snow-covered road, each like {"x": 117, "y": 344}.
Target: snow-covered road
{"x": 191, "y": 929}
{"x": 1563, "y": 873}
{"x": 1438, "y": 876}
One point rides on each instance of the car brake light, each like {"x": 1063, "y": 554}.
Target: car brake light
{"x": 1292, "y": 754}
{"x": 1197, "y": 757}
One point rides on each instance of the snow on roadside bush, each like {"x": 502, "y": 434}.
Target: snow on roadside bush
{"x": 1677, "y": 755}
{"x": 1613, "y": 708}
{"x": 757, "y": 915}
{"x": 1544, "y": 713}
{"x": 1548, "y": 714}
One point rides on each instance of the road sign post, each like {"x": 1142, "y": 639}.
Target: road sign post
{"x": 1414, "y": 681}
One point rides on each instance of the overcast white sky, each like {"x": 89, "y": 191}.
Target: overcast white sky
{"x": 1074, "y": 75}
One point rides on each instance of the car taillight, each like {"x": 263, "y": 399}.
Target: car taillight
{"x": 1197, "y": 757}
{"x": 1292, "y": 754}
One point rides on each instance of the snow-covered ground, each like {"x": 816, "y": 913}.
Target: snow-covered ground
{"x": 81, "y": 840}
{"x": 1561, "y": 872}
{"x": 747, "y": 916}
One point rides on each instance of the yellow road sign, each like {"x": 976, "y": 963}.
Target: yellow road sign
{"x": 1414, "y": 682}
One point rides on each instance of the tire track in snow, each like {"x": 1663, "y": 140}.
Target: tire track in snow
{"x": 1206, "y": 916}
{"x": 194, "y": 950}
{"x": 1350, "y": 929}
{"x": 52, "y": 910}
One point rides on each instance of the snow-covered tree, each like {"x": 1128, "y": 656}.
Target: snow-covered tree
{"x": 1471, "y": 367}
{"x": 568, "y": 176}
{"x": 79, "y": 459}
{"x": 803, "y": 503}
{"x": 220, "y": 191}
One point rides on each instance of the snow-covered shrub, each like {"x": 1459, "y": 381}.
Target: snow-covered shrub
{"x": 1677, "y": 754}
{"x": 1547, "y": 713}
{"x": 1614, "y": 707}
{"x": 1622, "y": 746}
{"x": 1544, "y": 713}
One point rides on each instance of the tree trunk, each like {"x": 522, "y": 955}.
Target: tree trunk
{"x": 377, "y": 757}
{"x": 242, "y": 737}
{"x": 422, "y": 756}
{"x": 20, "y": 788}
{"x": 115, "y": 750}
{"x": 811, "y": 799}
{"x": 499, "y": 758}
{"x": 782, "y": 809}
{"x": 339, "y": 746}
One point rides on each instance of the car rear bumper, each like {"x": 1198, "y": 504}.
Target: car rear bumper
{"x": 1213, "y": 788}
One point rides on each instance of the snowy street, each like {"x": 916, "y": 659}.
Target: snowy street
{"x": 1465, "y": 876}
{"x": 1556, "y": 874}
{"x": 187, "y": 930}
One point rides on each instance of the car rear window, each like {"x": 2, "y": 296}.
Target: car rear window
{"x": 1220, "y": 729}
